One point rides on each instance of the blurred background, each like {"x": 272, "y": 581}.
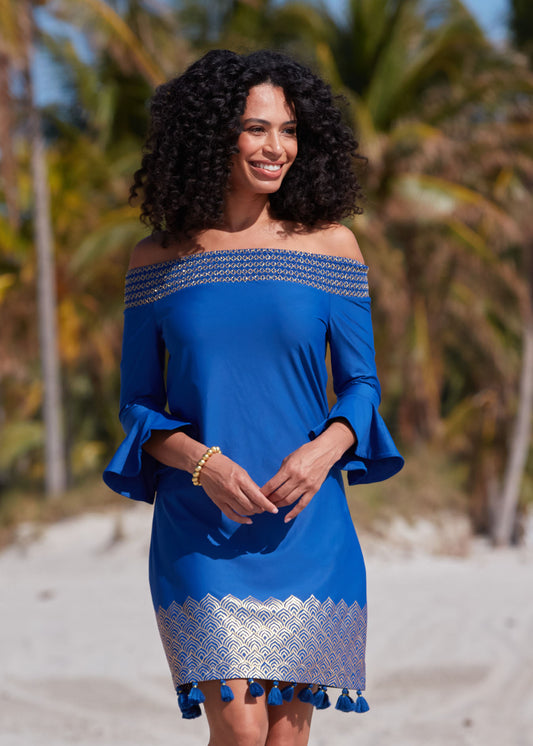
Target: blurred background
{"x": 441, "y": 99}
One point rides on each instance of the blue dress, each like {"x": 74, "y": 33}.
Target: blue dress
{"x": 229, "y": 346}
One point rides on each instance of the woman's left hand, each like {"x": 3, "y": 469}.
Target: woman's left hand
{"x": 304, "y": 470}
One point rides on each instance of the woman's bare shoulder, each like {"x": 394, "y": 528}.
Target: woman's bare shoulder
{"x": 150, "y": 250}
{"x": 337, "y": 240}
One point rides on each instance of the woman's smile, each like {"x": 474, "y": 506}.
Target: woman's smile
{"x": 268, "y": 166}
{"x": 270, "y": 170}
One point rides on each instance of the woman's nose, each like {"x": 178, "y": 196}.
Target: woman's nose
{"x": 273, "y": 144}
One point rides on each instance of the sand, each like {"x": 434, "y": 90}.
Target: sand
{"x": 450, "y": 648}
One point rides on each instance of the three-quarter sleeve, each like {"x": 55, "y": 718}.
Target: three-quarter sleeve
{"x": 374, "y": 456}
{"x": 132, "y": 472}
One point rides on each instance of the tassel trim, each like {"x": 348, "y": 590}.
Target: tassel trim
{"x": 274, "y": 695}
{"x": 346, "y": 704}
{"x": 188, "y": 709}
{"x": 306, "y": 694}
{"x": 190, "y": 697}
{"x": 321, "y": 699}
{"x": 287, "y": 692}
{"x": 196, "y": 695}
{"x": 226, "y": 695}
{"x": 255, "y": 689}
{"x": 361, "y": 705}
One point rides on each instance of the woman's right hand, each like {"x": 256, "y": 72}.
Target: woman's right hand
{"x": 232, "y": 489}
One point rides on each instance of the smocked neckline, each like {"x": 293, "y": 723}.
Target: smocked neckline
{"x": 204, "y": 255}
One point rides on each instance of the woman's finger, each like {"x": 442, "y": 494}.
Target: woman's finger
{"x": 245, "y": 505}
{"x": 239, "y": 501}
{"x": 274, "y": 483}
{"x": 300, "y": 505}
{"x": 291, "y": 490}
{"x": 230, "y": 483}
{"x": 258, "y": 499}
{"x": 241, "y": 504}
{"x": 287, "y": 493}
{"x": 232, "y": 514}
{"x": 290, "y": 498}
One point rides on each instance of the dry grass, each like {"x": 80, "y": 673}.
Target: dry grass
{"x": 427, "y": 485}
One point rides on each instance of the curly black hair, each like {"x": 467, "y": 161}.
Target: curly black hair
{"x": 194, "y": 126}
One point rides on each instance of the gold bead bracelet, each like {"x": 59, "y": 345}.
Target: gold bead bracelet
{"x": 201, "y": 463}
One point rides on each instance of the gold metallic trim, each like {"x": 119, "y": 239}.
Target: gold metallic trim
{"x": 307, "y": 641}
{"x": 336, "y": 275}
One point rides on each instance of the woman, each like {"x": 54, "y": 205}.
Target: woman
{"x": 256, "y": 573}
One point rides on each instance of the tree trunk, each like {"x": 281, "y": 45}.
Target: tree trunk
{"x": 56, "y": 475}
{"x": 7, "y": 162}
{"x": 508, "y": 503}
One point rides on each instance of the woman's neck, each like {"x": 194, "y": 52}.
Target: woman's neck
{"x": 241, "y": 214}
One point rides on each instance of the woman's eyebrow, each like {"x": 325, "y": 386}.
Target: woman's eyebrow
{"x": 265, "y": 121}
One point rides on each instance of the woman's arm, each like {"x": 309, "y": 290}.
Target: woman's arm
{"x": 154, "y": 436}
{"x": 352, "y": 435}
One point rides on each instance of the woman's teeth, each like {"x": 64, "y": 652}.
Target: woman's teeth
{"x": 267, "y": 166}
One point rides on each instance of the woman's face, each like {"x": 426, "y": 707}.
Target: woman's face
{"x": 267, "y": 144}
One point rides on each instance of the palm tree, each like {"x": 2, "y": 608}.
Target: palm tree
{"x": 7, "y": 163}
{"x": 438, "y": 114}
{"x": 18, "y": 22}
{"x": 426, "y": 88}
{"x": 92, "y": 170}
{"x": 17, "y": 19}
{"x": 521, "y": 27}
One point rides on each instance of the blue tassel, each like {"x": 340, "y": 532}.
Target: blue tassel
{"x": 193, "y": 711}
{"x": 288, "y": 692}
{"x": 306, "y": 695}
{"x": 360, "y": 704}
{"x": 196, "y": 696}
{"x": 226, "y": 695}
{"x": 188, "y": 711}
{"x": 274, "y": 695}
{"x": 321, "y": 699}
{"x": 255, "y": 689}
{"x": 326, "y": 703}
{"x": 318, "y": 699}
{"x": 344, "y": 703}
{"x": 183, "y": 699}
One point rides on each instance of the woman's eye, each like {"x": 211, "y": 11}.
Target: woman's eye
{"x": 290, "y": 131}
{"x": 255, "y": 130}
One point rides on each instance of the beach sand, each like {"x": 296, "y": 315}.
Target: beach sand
{"x": 450, "y": 645}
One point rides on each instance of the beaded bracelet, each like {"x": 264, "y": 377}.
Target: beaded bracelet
{"x": 201, "y": 463}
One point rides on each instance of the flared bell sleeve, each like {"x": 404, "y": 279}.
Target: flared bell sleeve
{"x": 374, "y": 457}
{"x": 132, "y": 472}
